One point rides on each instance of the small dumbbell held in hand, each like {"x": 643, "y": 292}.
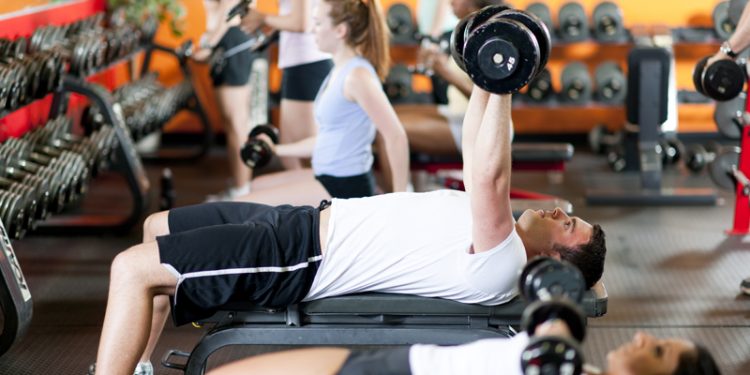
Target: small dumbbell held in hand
{"x": 554, "y": 289}
{"x": 259, "y": 148}
{"x": 501, "y": 49}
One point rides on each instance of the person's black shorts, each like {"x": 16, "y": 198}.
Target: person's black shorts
{"x": 237, "y": 67}
{"x": 362, "y": 185}
{"x": 393, "y": 361}
{"x": 238, "y": 252}
{"x": 302, "y": 82}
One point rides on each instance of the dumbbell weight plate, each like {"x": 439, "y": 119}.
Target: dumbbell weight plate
{"x": 573, "y": 24}
{"x": 723, "y": 80}
{"x": 576, "y": 83}
{"x": 479, "y": 17}
{"x": 541, "y": 10}
{"x": 608, "y": 21}
{"x": 539, "y": 312}
{"x": 728, "y": 116}
{"x": 540, "y": 88}
{"x": 400, "y": 22}
{"x": 610, "y": 83}
{"x": 552, "y": 355}
{"x": 696, "y": 158}
{"x": 501, "y": 56}
{"x": 398, "y": 83}
{"x": 556, "y": 278}
{"x": 722, "y": 24}
{"x": 537, "y": 27}
{"x": 720, "y": 169}
{"x": 457, "y": 43}
{"x": 698, "y": 74}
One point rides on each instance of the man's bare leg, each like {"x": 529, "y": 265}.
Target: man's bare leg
{"x": 136, "y": 278}
{"x": 156, "y": 225}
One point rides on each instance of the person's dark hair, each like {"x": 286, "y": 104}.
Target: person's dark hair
{"x": 696, "y": 362}
{"x": 589, "y": 257}
{"x": 368, "y": 31}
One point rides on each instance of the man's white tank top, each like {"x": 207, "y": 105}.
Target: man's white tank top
{"x": 414, "y": 243}
{"x": 488, "y": 356}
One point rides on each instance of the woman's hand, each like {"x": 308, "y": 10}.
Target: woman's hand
{"x": 253, "y": 21}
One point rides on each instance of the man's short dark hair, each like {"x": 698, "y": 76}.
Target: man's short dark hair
{"x": 589, "y": 257}
{"x": 696, "y": 362}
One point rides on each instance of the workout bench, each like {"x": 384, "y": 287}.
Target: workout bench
{"x": 362, "y": 319}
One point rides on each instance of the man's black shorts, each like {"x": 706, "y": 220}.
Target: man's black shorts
{"x": 237, "y": 252}
{"x": 393, "y": 361}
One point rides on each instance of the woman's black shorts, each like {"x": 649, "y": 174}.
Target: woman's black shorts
{"x": 237, "y": 67}
{"x": 362, "y": 185}
{"x": 302, "y": 82}
{"x": 239, "y": 252}
{"x": 393, "y": 361}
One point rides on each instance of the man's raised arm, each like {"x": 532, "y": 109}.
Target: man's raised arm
{"x": 489, "y": 176}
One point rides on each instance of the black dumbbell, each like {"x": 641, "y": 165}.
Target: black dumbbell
{"x": 239, "y": 10}
{"x": 501, "y": 49}
{"x": 723, "y": 25}
{"x": 601, "y": 139}
{"x": 540, "y": 88}
{"x": 608, "y": 23}
{"x": 698, "y": 157}
{"x": 729, "y": 116}
{"x": 724, "y": 172}
{"x": 257, "y": 153}
{"x": 722, "y": 80}
{"x": 576, "y": 84}
{"x": 573, "y": 24}
{"x": 616, "y": 158}
{"x": 672, "y": 150}
{"x": 610, "y": 83}
{"x": 401, "y": 23}
{"x": 554, "y": 289}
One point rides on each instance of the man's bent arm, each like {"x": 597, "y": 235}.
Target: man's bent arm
{"x": 490, "y": 176}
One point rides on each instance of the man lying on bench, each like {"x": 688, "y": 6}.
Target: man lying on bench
{"x": 463, "y": 246}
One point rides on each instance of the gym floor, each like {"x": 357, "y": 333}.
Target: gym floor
{"x": 670, "y": 271}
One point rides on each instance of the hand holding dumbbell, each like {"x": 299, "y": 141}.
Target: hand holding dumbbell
{"x": 554, "y": 289}
{"x": 501, "y": 49}
{"x": 260, "y": 146}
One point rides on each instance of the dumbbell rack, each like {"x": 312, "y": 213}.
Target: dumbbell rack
{"x": 741, "y": 224}
{"x": 127, "y": 161}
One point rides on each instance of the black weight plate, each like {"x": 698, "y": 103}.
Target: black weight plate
{"x": 576, "y": 83}
{"x": 722, "y": 24}
{"x": 608, "y": 22}
{"x": 498, "y": 32}
{"x": 531, "y": 265}
{"x": 552, "y": 355}
{"x": 400, "y": 22}
{"x": 573, "y": 23}
{"x": 735, "y": 10}
{"x": 481, "y": 16}
{"x": 541, "y": 311}
{"x": 696, "y": 157}
{"x": 720, "y": 169}
{"x": 540, "y": 30}
{"x": 723, "y": 80}
{"x": 610, "y": 83}
{"x": 698, "y": 74}
{"x": 728, "y": 116}
{"x": 457, "y": 43}
{"x": 557, "y": 279}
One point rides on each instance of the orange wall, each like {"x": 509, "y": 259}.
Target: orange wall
{"x": 672, "y": 13}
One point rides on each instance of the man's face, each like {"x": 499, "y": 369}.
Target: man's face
{"x": 647, "y": 355}
{"x": 545, "y": 229}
